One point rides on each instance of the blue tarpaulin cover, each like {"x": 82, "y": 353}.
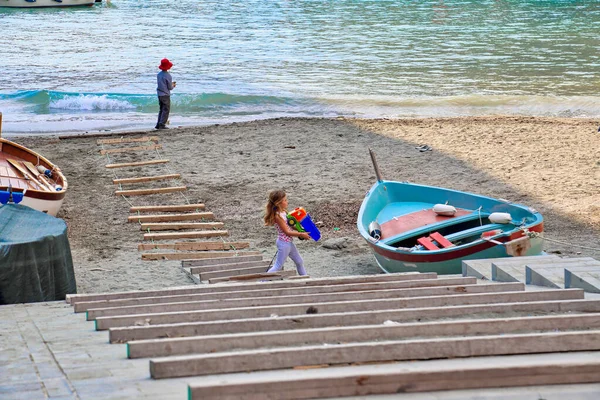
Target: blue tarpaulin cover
{"x": 35, "y": 256}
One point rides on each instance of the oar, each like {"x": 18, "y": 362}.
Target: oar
{"x": 39, "y": 176}
{"x": 27, "y": 177}
{"x": 375, "y": 165}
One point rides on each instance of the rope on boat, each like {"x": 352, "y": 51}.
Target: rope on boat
{"x": 479, "y": 212}
{"x": 543, "y": 237}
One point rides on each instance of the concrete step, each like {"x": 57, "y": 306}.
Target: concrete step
{"x": 482, "y": 269}
{"x": 587, "y": 279}
{"x": 554, "y": 275}
{"x": 513, "y": 269}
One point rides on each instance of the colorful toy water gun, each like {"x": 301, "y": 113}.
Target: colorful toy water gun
{"x": 301, "y": 221}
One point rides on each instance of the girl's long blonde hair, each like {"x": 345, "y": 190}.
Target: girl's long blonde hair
{"x": 273, "y": 206}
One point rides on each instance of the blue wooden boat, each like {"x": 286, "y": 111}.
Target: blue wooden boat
{"x": 418, "y": 228}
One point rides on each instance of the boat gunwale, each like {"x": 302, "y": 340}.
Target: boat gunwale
{"x": 36, "y": 193}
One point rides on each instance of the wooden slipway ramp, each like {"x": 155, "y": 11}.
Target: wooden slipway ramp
{"x": 310, "y": 338}
{"x": 173, "y": 226}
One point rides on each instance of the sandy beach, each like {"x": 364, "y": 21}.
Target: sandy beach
{"x": 550, "y": 164}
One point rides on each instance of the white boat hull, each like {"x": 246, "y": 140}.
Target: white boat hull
{"x": 45, "y": 3}
{"x": 50, "y": 207}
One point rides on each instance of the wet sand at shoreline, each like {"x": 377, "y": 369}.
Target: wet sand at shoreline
{"x": 550, "y": 164}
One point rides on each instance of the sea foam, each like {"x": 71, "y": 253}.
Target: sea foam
{"x": 90, "y": 103}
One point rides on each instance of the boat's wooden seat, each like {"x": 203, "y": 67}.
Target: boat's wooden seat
{"x": 428, "y": 241}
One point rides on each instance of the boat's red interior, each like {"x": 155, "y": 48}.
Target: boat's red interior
{"x": 408, "y": 222}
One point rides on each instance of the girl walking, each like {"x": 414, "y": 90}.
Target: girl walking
{"x": 276, "y": 214}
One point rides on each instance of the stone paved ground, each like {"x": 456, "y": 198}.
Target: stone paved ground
{"x": 47, "y": 351}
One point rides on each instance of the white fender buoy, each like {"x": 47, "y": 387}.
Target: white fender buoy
{"x": 444, "y": 209}
{"x": 500, "y": 218}
{"x": 375, "y": 230}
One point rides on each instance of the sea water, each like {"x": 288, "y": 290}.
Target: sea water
{"x": 94, "y": 68}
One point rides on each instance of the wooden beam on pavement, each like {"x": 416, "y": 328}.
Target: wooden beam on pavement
{"x": 190, "y": 255}
{"x": 407, "y": 291}
{"x": 171, "y": 217}
{"x": 129, "y": 181}
{"x": 176, "y": 226}
{"x": 131, "y": 149}
{"x": 166, "y": 208}
{"x": 569, "y": 369}
{"x": 420, "y": 349}
{"x": 337, "y": 307}
{"x": 350, "y": 318}
{"x": 136, "y": 164}
{"x": 343, "y": 280}
{"x": 143, "y": 192}
{"x": 227, "y": 273}
{"x": 128, "y": 140}
{"x": 219, "y": 261}
{"x": 199, "y": 246}
{"x": 263, "y": 277}
{"x": 354, "y": 334}
{"x": 233, "y": 265}
{"x": 184, "y": 235}
{"x": 209, "y": 303}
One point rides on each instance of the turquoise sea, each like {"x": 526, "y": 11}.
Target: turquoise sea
{"x": 94, "y": 68}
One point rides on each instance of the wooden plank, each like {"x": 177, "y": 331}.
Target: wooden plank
{"x": 87, "y": 136}
{"x": 189, "y": 255}
{"x": 184, "y": 235}
{"x": 200, "y": 246}
{"x": 176, "y": 226}
{"x": 171, "y": 208}
{"x": 405, "y": 291}
{"x": 171, "y": 217}
{"x": 350, "y": 318}
{"x": 212, "y": 303}
{"x": 263, "y": 277}
{"x": 420, "y": 349}
{"x": 128, "y": 140}
{"x": 394, "y": 277}
{"x": 337, "y": 307}
{"x": 131, "y": 149}
{"x": 129, "y": 181}
{"x": 219, "y": 261}
{"x": 232, "y": 265}
{"x": 509, "y": 372}
{"x": 136, "y": 164}
{"x": 142, "y": 192}
{"x": 240, "y": 293}
{"x": 359, "y": 333}
{"x": 226, "y": 273}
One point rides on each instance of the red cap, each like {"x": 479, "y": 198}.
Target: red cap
{"x": 165, "y": 64}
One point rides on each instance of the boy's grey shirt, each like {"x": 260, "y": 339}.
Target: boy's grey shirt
{"x": 164, "y": 83}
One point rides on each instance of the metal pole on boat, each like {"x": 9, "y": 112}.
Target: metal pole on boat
{"x": 377, "y": 172}
{"x": 0, "y": 124}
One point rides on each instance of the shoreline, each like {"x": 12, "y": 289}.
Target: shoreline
{"x": 551, "y": 164}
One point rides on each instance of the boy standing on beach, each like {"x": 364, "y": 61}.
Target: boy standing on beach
{"x": 164, "y": 86}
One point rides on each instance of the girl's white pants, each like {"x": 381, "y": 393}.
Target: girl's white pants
{"x": 285, "y": 249}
